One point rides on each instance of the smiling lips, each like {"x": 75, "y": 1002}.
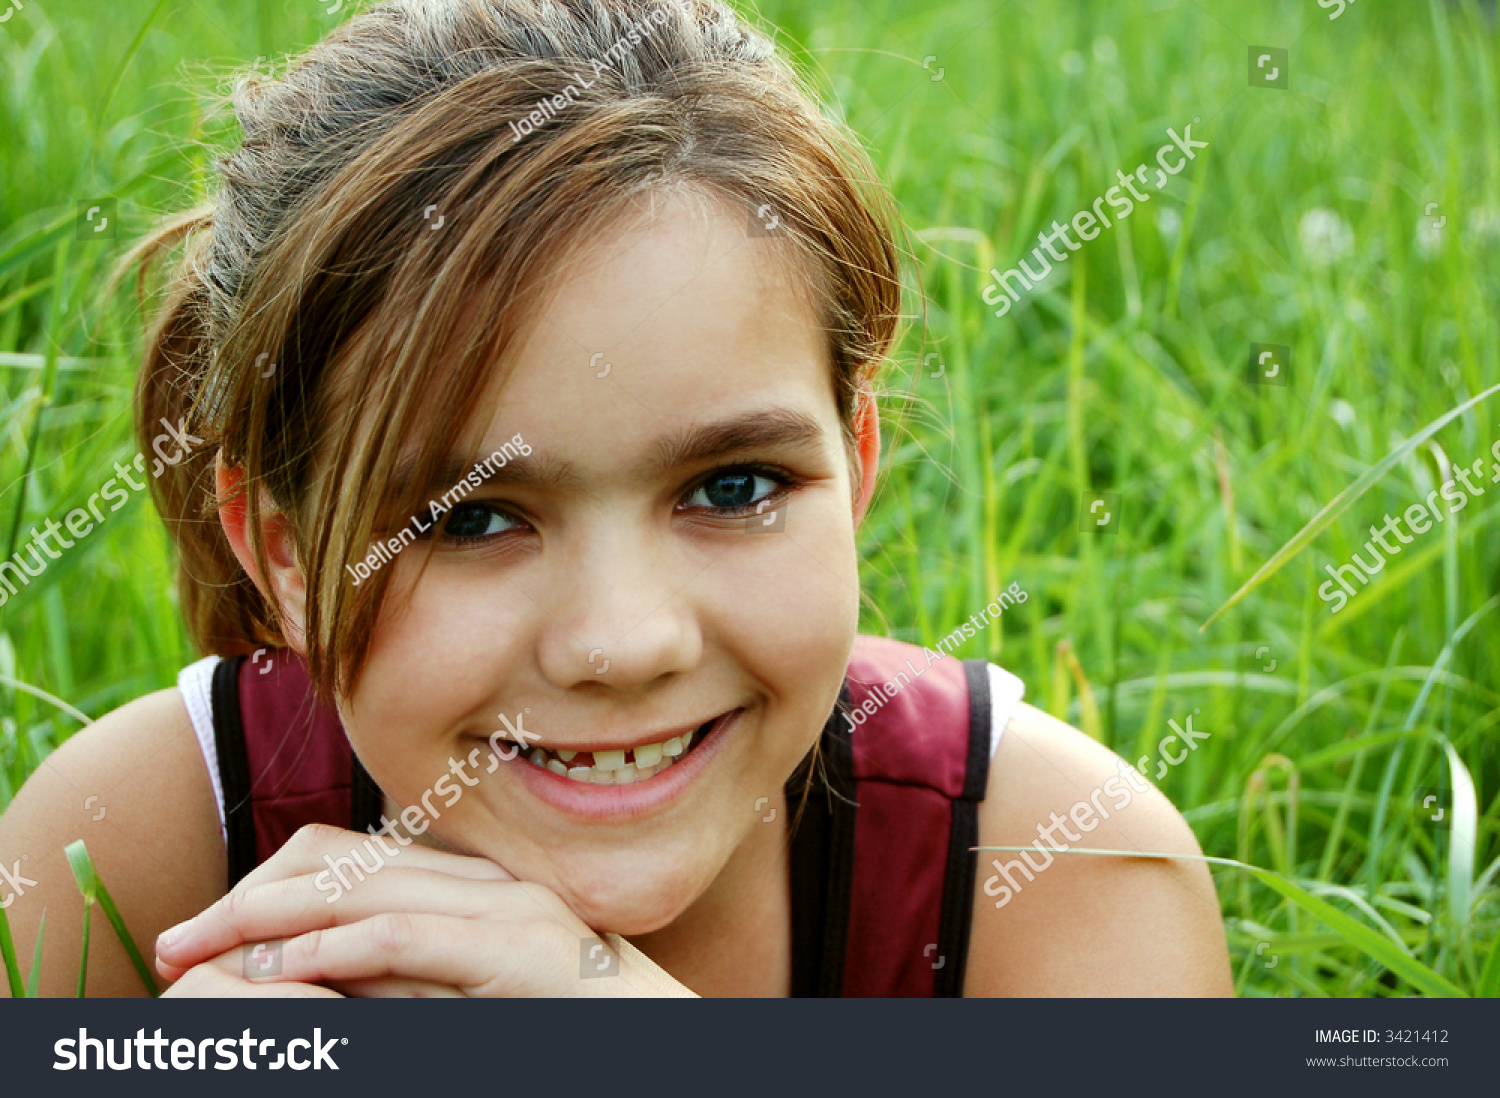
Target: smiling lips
{"x": 617, "y": 767}
{"x": 620, "y": 784}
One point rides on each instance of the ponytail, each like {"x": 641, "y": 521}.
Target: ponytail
{"x": 224, "y": 612}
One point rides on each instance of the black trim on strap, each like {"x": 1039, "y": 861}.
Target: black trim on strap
{"x": 808, "y": 856}
{"x": 234, "y": 769}
{"x": 963, "y": 835}
{"x": 822, "y": 860}
{"x": 838, "y": 761}
{"x": 981, "y": 714}
{"x": 365, "y": 798}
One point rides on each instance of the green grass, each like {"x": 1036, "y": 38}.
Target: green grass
{"x": 92, "y": 889}
{"x": 1128, "y": 375}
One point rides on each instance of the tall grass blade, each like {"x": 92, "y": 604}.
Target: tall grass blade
{"x": 1340, "y": 503}
{"x": 1489, "y": 980}
{"x": 1388, "y": 779}
{"x": 83, "y": 960}
{"x": 114, "y": 84}
{"x": 1461, "y": 842}
{"x": 8, "y": 952}
{"x": 94, "y": 891}
{"x": 36, "y": 958}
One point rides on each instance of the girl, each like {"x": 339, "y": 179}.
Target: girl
{"x": 531, "y": 348}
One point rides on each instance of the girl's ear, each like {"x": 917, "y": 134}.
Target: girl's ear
{"x": 285, "y": 587}
{"x": 867, "y": 445}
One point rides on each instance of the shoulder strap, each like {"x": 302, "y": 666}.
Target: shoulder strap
{"x": 820, "y": 798}
{"x": 284, "y": 760}
{"x": 882, "y": 858}
{"x": 958, "y": 877}
{"x": 234, "y": 769}
{"x": 365, "y": 798}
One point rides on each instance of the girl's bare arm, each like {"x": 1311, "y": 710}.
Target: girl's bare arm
{"x": 155, "y": 842}
{"x": 1087, "y": 925}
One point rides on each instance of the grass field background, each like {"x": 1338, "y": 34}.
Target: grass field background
{"x": 1353, "y": 216}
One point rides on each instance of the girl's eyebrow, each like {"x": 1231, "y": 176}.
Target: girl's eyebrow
{"x": 749, "y": 431}
{"x": 520, "y": 469}
{"x": 699, "y": 443}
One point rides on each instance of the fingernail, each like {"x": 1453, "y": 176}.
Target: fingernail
{"x": 169, "y": 938}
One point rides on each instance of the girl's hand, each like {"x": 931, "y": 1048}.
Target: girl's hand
{"x": 430, "y": 924}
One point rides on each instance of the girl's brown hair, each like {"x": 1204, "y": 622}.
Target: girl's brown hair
{"x": 312, "y": 333}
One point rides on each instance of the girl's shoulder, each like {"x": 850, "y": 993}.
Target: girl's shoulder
{"x": 1048, "y": 921}
{"x": 135, "y": 788}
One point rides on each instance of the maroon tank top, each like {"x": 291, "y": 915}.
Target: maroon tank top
{"x": 882, "y": 859}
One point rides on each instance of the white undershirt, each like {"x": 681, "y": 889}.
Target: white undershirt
{"x": 196, "y": 682}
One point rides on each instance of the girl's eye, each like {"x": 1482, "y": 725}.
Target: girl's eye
{"x": 468, "y": 521}
{"x": 734, "y": 490}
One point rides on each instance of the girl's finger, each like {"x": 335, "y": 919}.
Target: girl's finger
{"x": 479, "y": 958}
{"x": 395, "y": 988}
{"x": 285, "y": 908}
{"x": 224, "y": 971}
{"x": 212, "y": 981}
{"x": 319, "y": 847}
{"x": 318, "y": 852}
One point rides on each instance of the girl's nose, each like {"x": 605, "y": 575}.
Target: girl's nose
{"x": 621, "y": 618}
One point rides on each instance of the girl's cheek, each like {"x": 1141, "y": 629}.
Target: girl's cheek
{"x": 433, "y": 662}
{"x": 793, "y": 599}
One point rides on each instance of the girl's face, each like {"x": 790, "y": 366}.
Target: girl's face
{"x": 675, "y": 556}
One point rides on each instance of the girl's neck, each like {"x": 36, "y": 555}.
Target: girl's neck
{"x": 735, "y": 939}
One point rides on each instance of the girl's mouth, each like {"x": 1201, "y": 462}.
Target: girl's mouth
{"x": 621, "y": 766}
{"x": 610, "y": 784}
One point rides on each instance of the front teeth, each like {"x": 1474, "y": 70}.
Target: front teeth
{"x": 610, "y": 767}
{"x": 609, "y": 760}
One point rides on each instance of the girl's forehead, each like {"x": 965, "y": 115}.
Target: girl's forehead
{"x": 684, "y": 264}
{"x": 672, "y": 314}
{"x": 672, "y": 320}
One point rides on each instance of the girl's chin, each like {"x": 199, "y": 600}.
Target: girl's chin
{"x": 628, "y": 901}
